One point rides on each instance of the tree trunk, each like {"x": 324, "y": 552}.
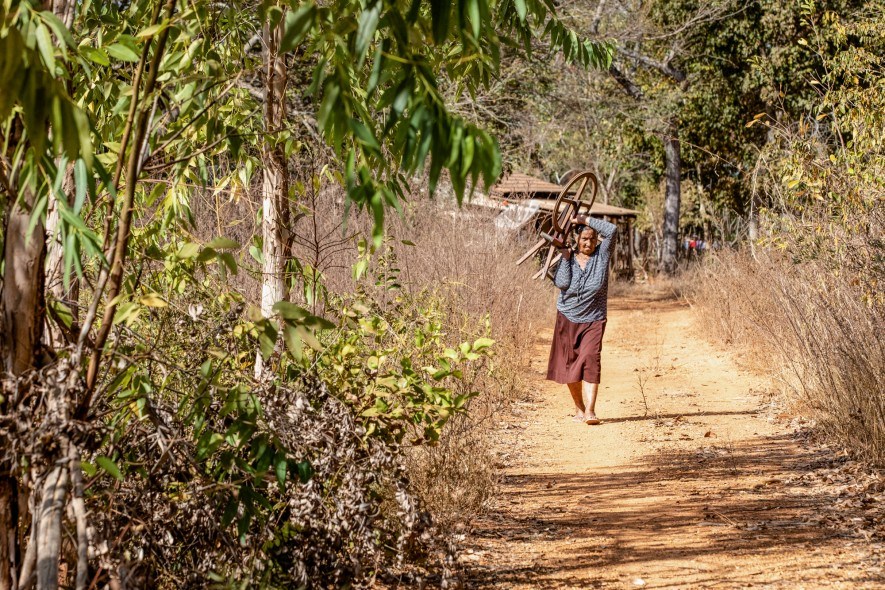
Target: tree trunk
{"x": 672, "y": 196}
{"x": 275, "y": 187}
{"x": 49, "y": 531}
{"x": 53, "y": 335}
{"x": 21, "y": 312}
{"x": 9, "y": 546}
{"x": 22, "y": 298}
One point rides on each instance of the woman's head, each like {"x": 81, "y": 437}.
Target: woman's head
{"x": 586, "y": 238}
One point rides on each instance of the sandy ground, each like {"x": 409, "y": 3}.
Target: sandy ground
{"x": 692, "y": 480}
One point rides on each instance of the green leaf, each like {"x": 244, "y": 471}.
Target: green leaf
{"x": 81, "y": 184}
{"x": 290, "y": 311}
{"x": 109, "y": 467}
{"x": 281, "y": 467}
{"x": 475, "y": 22}
{"x": 58, "y": 27}
{"x": 308, "y": 337}
{"x": 273, "y": 14}
{"x": 155, "y": 194}
{"x": 207, "y": 254}
{"x": 482, "y": 343}
{"x": 293, "y": 342}
{"x": 61, "y": 312}
{"x": 38, "y": 213}
{"x": 228, "y": 261}
{"x": 267, "y": 338}
{"x": 121, "y": 52}
{"x": 127, "y": 313}
{"x": 221, "y": 243}
{"x": 296, "y": 26}
{"x": 152, "y": 30}
{"x": 189, "y": 250}
{"x": 230, "y": 511}
{"x": 376, "y": 202}
{"x": 440, "y": 12}
{"x": 359, "y": 268}
{"x": 44, "y": 44}
{"x": 364, "y": 136}
{"x": 96, "y": 56}
{"x": 88, "y": 468}
{"x": 367, "y": 25}
{"x": 520, "y": 8}
{"x": 305, "y": 471}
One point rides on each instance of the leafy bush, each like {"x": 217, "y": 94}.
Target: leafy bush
{"x": 290, "y": 480}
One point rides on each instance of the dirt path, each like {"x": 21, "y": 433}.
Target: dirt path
{"x": 708, "y": 489}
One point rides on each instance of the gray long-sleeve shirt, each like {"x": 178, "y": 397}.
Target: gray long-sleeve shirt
{"x": 583, "y": 295}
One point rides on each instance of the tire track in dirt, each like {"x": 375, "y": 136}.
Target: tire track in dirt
{"x": 690, "y": 482}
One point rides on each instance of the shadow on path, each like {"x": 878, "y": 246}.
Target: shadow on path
{"x": 666, "y": 511}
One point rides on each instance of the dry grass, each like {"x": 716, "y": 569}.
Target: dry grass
{"x": 813, "y": 331}
{"x": 456, "y": 255}
{"x": 459, "y": 255}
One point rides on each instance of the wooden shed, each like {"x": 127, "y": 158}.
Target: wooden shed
{"x": 526, "y": 203}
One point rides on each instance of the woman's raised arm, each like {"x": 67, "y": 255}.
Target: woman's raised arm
{"x": 605, "y": 229}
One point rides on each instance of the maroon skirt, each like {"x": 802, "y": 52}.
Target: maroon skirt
{"x": 576, "y": 351}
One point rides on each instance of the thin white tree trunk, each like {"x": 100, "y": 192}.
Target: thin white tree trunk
{"x": 275, "y": 187}
{"x": 65, "y": 10}
{"x": 55, "y": 266}
{"x": 78, "y": 506}
{"x": 52, "y": 503}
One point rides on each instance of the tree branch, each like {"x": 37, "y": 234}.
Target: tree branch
{"x": 121, "y": 242}
{"x": 626, "y": 83}
{"x": 594, "y": 26}
{"x": 662, "y": 66}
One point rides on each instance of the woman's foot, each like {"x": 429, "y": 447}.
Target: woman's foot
{"x": 590, "y": 418}
{"x": 579, "y": 417}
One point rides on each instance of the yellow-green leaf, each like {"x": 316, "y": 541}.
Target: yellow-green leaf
{"x": 153, "y": 300}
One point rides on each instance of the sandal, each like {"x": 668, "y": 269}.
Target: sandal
{"x": 591, "y": 421}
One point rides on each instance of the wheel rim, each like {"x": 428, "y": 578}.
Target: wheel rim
{"x": 575, "y": 203}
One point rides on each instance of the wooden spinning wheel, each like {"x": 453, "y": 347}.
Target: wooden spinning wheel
{"x": 565, "y": 210}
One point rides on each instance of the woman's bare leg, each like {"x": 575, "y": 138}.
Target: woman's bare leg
{"x": 575, "y": 390}
{"x": 589, "y": 400}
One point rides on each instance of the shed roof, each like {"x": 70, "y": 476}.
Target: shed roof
{"x": 597, "y": 208}
{"x": 517, "y": 183}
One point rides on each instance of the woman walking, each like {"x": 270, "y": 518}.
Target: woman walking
{"x": 582, "y": 278}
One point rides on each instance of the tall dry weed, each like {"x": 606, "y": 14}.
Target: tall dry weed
{"x": 456, "y": 256}
{"x": 813, "y": 331}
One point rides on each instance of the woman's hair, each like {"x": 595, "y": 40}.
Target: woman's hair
{"x": 580, "y": 228}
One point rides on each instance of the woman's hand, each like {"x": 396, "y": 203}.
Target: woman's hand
{"x": 566, "y": 253}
